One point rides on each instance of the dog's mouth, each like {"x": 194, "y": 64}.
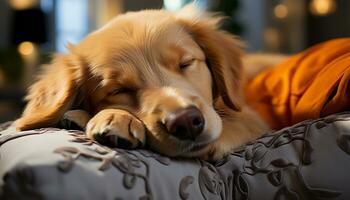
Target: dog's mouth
{"x": 191, "y": 149}
{"x": 198, "y": 147}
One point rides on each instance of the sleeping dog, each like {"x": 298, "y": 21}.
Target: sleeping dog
{"x": 171, "y": 80}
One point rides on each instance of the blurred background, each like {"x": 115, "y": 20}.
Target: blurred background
{"x": 32, "y": 30}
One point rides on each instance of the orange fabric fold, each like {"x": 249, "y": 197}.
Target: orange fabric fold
{"x": 309, "y": 85}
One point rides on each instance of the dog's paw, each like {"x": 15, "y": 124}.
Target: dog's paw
{"x": 116, "y": 128}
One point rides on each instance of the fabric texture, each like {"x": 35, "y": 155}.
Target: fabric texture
{"x": 309, "y": 160}
{"x": 309, "y": 85}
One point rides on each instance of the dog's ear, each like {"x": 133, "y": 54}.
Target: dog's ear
{"x": 53, "y": 94}
{"x": 222, "y": 50}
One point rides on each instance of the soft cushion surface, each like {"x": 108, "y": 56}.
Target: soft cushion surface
{"x": 309, "y": 85}
{"x": 307, "y": 161}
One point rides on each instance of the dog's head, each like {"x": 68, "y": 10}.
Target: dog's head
{"x": 171, "y": 70}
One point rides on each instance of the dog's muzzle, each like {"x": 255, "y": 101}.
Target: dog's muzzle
{"x": 185, "y": 124}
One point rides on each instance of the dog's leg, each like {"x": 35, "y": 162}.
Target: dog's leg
{"x": 75, "y": 119}
{"x": 117, "y": 128}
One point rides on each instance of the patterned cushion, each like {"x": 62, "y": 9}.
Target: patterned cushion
{"x": 309, "y": 160}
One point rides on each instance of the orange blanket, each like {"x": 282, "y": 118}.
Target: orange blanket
{"x": 309, "y": 85}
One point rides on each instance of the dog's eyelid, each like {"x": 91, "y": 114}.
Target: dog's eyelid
{"x": 186, "y": 63}
{"x": 121, "y": 90}
{"x": 187, "y": 60}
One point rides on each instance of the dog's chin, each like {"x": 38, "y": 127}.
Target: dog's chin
{"x": 196, "y": 148}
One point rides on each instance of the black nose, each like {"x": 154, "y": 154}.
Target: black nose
{"x": 185, "y": 124}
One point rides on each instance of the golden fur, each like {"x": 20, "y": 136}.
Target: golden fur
{"x": 141, "y": 66}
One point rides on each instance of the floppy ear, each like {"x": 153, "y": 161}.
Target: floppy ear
{"x": 52, "y": 95}
{"x": 222, "y": 50}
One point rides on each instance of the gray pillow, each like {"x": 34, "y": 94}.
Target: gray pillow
{"x": 309, "y": 160}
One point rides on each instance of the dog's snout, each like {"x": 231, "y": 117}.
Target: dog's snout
{"x": 186, "y": 123}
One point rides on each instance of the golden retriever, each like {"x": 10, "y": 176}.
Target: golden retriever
{"x": 170, "y": 80}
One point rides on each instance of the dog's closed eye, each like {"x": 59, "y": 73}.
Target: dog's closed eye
{"x": 183, "y": 65}
{"x": 119, "y": 91}
{"x": 122, "y": 96}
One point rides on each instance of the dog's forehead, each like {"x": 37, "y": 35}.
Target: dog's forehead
{"x": 131, "y": 33}
{"x": 137, "y": 45}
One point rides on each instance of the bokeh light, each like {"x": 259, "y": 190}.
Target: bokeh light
{"x": 281, "y": 11}
{"x": 26, "y": 48}
{"x": 322, "y": 7}
{"x": 23, "y": 4}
